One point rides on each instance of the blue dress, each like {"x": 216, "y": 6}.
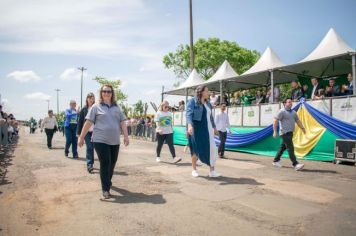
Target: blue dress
{"x": 202, "y": 142}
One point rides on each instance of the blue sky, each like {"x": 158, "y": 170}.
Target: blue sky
{"x": 42, "y": 42}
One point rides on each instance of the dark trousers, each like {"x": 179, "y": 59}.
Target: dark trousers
{"x": 90, "y": 150}
{"x": 49, "y": 133}
{"x": 160, "y": 141}
{"x": 287, "y": 143}
{"x": 107, "y": 155}
{"x": 71, "y": 139}
{"x": 222, "y": 136}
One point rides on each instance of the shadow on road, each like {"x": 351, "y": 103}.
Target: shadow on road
{"x": 122, "y": 173}
{"x": 230, "y": 180}
{"x": 315, "y": 170}
{"x": 127, "y": 197}
{"x": 176, "y": 164}
{"x": 6, "y": 155}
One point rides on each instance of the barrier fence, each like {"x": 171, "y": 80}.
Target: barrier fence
{"x": 342, "y": 108}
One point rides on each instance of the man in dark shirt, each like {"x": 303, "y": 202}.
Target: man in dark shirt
{"x": 332, "y": 90}
{"x": 297, "y": 92}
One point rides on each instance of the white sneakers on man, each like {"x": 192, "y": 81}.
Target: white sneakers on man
{"x": 158, "y": 159}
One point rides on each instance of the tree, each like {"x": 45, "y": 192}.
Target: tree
{"x": 209, "y": 55}
{"x": 138, "y": 108}
{"x": 120, "y": 96}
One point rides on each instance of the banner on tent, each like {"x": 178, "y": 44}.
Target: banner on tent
{"x": 184, "y": 118}
{"x": 177, "y": 118}
{"x": 235, "y": 116}
{"x": 321, "y": 105}
{"x": 251, "y": 116}
{"x": 344, "y": 109}
{"x": 268, "y": 112}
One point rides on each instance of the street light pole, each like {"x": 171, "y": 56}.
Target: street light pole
{"x": 82, "y": 69}
{"x": 57, "y": 90}
{"x": 191, "y": 35}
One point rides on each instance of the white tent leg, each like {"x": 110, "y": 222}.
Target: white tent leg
{"x": 272, "y": 86}
{"x": 221, "y": 92}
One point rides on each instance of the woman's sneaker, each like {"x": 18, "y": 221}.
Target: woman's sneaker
{"x": 106, "y": 195}
{"x": 158, "y": 159}
{"x": 214, "y": 174}
{"x": 298, "y": 166}
{"x": 195, "y": 173}
{"x": 176, "y": 160}
{"x": 277, "y": 164}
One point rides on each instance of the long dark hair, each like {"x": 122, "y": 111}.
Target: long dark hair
{"x": 89, "y": 96}
{"x": 199, "y": 92}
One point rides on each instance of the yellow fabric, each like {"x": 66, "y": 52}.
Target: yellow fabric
{"x": 304, "y": 143}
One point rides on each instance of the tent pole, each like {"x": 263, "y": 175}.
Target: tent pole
{"x": 162, "y": 94}
{"x": 186, "y": 97}
{"x": 221, "y": 92}
{"x": 354, "y": 72}
{"x": 272, "y": 85}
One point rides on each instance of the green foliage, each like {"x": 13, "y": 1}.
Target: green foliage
{"x": 138, "y": 108}
{"x": 120, "y": 96}
{"x": 209, "y": 55}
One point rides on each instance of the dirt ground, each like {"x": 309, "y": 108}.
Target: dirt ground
{"x": 44, "y": 193}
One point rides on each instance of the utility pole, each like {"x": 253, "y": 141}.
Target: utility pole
{"x": 47, "y": 100}
{"x": 191, "y": 35}
{"x": 57, "y": 90}
{"x": 81, "y": 86}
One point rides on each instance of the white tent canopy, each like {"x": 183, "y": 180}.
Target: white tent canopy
{"x": 331, "y": 45}
{"x": 193, "y": 80}
{"x": 267, "y": 61}
{"x": 225, "y": 71}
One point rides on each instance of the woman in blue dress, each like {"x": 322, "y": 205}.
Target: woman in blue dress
{"x": 201, "y": 131}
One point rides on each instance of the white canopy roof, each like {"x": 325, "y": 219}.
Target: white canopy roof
{"x": 225, "y": 71}
{"x": 331, "y": 45}
{"x": 267, "y": 61}
{"x": 193, "y": 80}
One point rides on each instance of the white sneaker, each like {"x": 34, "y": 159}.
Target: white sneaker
{"x": 214, "y": 174}
{"x": 158, "y": 159}
{"x": 277, "y": 164}
{"x": 195, "y": 173}
{"x": 199, "y": 163}
{"x": 299, "y": 167}
{"x": 176, "y": 160}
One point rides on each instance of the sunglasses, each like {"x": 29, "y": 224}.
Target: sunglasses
{"x": 107, "y": 91}
{"x": 165, "y": 107}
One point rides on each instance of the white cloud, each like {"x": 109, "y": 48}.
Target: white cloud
{"x": 72, "y": 74}
{"x": 89, "y": 27}
{"x": 37, "y": 96}
{"x": 24, "y": 76}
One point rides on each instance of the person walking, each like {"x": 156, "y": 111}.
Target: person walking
{"x": 287, "y": 118}
{"x": 164, "y": 131}
{"x": 109, "y": 122}
{"x": 70, "y": 126}
{"x": 89, "y": 102}
{"x": 201, "y": 130}
{"x": 222, "y": 124}
{"x": 50, "y": 125}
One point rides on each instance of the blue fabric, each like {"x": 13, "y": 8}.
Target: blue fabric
{"x": 195, "y": 111}
{"x": 200, "y": 145}
{"x": 340, "y": 128}
{"x": 239, "y": 140}
{"x": 70, "y": 115}
{"x": 71, "y": 139}
{"x": 90, "y": 150}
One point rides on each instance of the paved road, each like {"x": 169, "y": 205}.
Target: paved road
{"x": 44, "y": 193}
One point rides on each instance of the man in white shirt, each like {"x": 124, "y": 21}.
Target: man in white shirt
{"x": 316, "y": 88}
{"x": 222, "y": 123}
{"x": 213, "y": 99}
{"x": 49, "y": 124}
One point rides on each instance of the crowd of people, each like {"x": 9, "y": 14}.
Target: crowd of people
{"x": 9, "y": 128}
{"x": 316, "y": 91}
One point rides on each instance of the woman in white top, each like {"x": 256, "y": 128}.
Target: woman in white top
{"x": 164, "y": 131}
